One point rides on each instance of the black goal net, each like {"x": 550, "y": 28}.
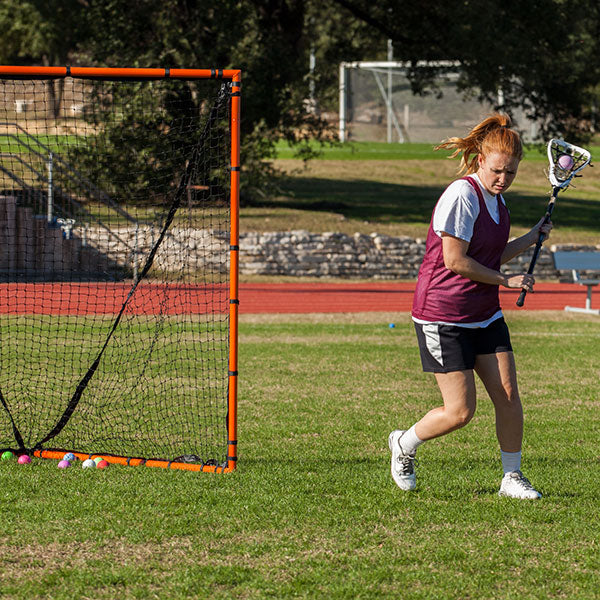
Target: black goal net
{"x": 115, "y": 282}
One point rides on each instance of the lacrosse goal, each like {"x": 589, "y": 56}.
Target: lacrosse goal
{"x": 377, "y": 104}
{"x": 119, "y": 264}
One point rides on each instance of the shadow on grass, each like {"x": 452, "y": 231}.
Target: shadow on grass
{"x": 313, "y": 462}
{"x": 396, "y": 203}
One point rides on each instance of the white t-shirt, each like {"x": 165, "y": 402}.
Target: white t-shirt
{"x": 455, "y": 214}
{"x": 458, "y": 209}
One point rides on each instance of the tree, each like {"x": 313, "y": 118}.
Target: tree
{"x": 540, "y": 53}
{"x": 45, "y": 31}
{"x": 265, "y": 40}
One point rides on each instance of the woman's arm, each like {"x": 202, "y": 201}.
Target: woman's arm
{"x": 520, "y": 244}
{"x": 457, "y": 261}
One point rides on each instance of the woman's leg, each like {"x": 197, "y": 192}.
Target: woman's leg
{"x": 499, "y": 376}
{"x": 459, "y": 396}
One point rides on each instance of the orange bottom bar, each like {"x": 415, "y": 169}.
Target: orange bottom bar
{"x": 134, "y": 462}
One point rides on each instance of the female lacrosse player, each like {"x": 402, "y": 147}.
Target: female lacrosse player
{"x": 458, "y": 320}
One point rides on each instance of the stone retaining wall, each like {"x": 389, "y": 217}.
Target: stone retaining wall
{"x": 374, "y": 256}
{"x": 299, "y": 253}
{"x": 32, "y": 246}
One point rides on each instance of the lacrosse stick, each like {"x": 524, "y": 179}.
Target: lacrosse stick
{"x": 566, "y": 160}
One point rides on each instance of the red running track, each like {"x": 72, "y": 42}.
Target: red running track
{"x": 102, "y": 298}
{"x": 63, "y": 298}
{"x": 382, "y": 297}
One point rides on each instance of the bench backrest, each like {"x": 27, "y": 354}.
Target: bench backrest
{"x": 579, "y": 261}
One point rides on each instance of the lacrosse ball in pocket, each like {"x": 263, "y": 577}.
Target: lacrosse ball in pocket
{"x": 565, "y": 162}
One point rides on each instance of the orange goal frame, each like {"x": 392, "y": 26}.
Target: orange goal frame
{"x": 234, "y": 76}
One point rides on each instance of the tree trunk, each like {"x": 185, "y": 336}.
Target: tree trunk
{"x": 55, "y": 89}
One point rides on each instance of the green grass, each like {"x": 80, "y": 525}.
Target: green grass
{"x": 312, "y": 511}
{"x": 394, "y": 151}
{"x": 366, "y": 151}
{"x": 17, "y": 142}
{"x": 43, "y": 358}
{"x": 392, "y": 188}
{"x": 397, "y": 197}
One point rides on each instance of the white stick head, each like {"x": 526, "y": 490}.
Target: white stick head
{"x": 566, "y": 160}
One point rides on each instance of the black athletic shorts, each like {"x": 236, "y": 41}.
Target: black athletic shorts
{"x": 446, "y": 348}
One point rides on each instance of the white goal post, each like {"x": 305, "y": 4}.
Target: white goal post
{"x": 376, "y": 103}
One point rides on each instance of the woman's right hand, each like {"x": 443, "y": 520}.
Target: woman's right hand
{"x": 523, "y": 281}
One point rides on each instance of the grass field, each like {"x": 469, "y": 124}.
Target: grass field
{"x": 312, "y": 511}
{"x": 382, "y": 151}
{"x": 384, "y": 188}
{"x": 14, "y": 142}
{"x": 143, "y": 410}
{"x": 393, "y": 191}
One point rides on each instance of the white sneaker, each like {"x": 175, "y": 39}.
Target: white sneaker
{"x": 516, "y": 485}
{"x": 403, "y": 465}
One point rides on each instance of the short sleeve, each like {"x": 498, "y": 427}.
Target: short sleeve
{"x": 457, "y": 210}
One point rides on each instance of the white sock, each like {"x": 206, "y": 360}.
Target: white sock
{"x": 511, "y": 461}
{"x": 410, "y": 441}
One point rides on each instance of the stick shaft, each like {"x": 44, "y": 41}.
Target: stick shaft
{"x": 538, "y": 246}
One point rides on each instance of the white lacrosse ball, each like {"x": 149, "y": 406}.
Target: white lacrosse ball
{"x": 565, "y": 162}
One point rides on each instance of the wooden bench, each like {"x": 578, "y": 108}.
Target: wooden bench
{"x": 576, "y": 262}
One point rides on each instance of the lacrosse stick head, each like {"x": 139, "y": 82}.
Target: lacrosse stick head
{"x": 566, "y": 160}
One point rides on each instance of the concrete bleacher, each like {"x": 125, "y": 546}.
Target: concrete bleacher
{"x": 33, "y": 248}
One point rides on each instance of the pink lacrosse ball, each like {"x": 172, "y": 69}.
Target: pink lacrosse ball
{"x": 565, "y": 162}
{"x": 24, "y": 459}
{"x": 64, "y": 464}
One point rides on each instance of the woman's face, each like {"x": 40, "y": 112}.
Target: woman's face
{"x": 497, "y": 171}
